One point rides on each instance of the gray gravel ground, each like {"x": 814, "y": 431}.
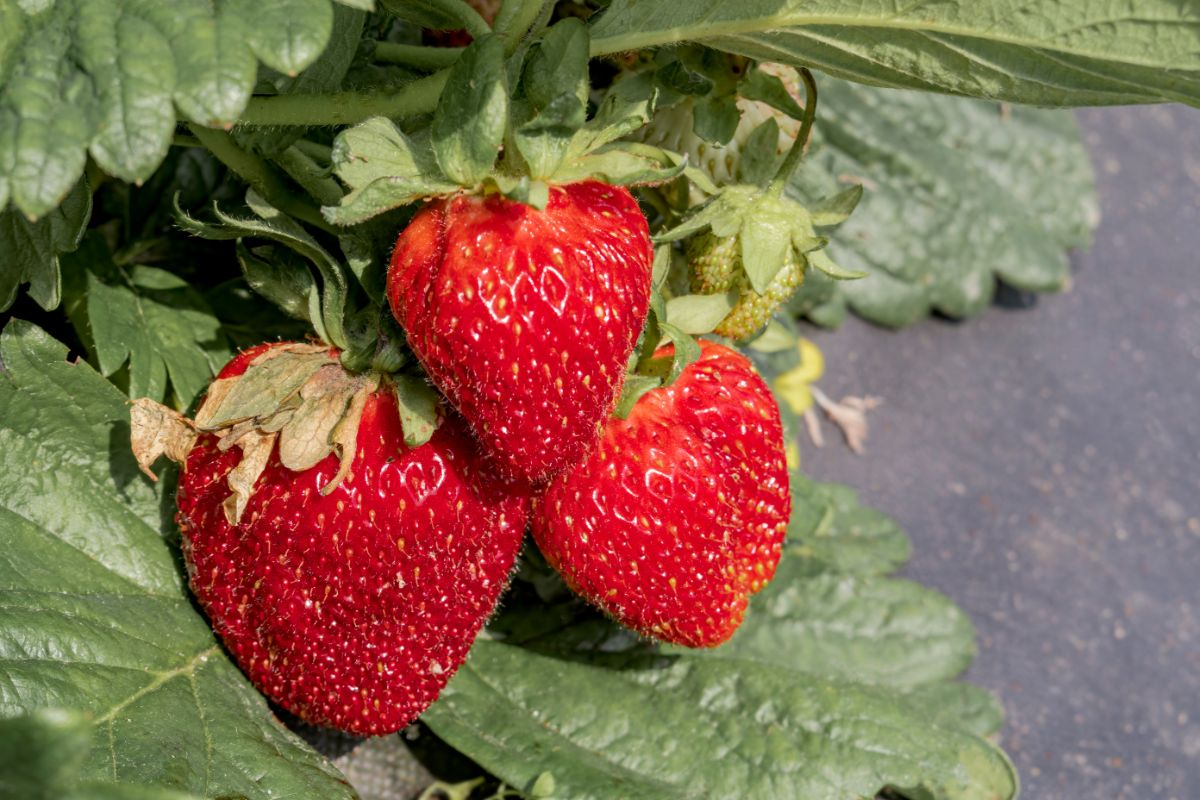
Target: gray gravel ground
{"x": 1046, "y": 461}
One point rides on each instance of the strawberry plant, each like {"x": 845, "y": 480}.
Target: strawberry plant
{"x": 314, "y": 310}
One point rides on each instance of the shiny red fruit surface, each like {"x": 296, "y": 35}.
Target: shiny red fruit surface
{"x": 680, "y": 512}
{"x": 353, "y": 610}
{"x": 525, "y": 319}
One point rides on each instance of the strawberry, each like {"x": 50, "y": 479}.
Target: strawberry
{"x": 351, "y": 609}
{"x": 716, "y": 267}
{"x": 525, "y": 319}
{"x": 679, "y": 514}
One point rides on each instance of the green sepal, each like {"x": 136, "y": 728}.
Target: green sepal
{"x": 635, "y": 386}
{"x": 758, "y": 85}
{"x": 277, "y": 226}
{"x": 558, "y": 64}
{"x": 699, "y": 313}
{"x": 686, "y": 352}
{"x": 765, "y": 237}
{"x": 521, "y": 189}
{"x": 722, "y": 211}
{"x": 472, "y": 113}
{"x": 821, "y": 260}
{"x": 660, "y": 269}
{"x": 624, "y": 164}
{"x": 836, "y": 209}
{"x": 545, "y": 140}
{"x": 417, "y": 403}
{"x": 715, "y": 119}
{"x": 382, "y": 195}
{"x": 377, "y": 149}
{"x": 760, "y": 155}
{"x": 678, "y": 78}
{"x": 626, "y": 107}
{"x": 775, "y": 338}
{"x": 279, "y": 275}
{"x": 362, "y": 338}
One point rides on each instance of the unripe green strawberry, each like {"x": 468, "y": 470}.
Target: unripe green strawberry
{"x": 716, "y": 268}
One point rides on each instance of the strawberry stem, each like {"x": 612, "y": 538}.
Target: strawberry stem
{"x": 261, "y": 176}
{"x": 346, "y": 108}
{"x": 412, "y": 55}
{"x": 517, "y": 17}
{"x": 796, "y": 153}
{"x": 464, "y": 14}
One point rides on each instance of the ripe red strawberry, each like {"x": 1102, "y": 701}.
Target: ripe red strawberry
{"x": 525, "y": 319}
{"x": 352, "y": 609}
{"x": 679, "y": 514}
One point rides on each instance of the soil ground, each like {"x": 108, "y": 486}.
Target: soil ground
{"x": 1045, "y": 458}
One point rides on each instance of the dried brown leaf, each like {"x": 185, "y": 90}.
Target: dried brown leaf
{"x": 155, "y": 430}
{"x": 256, "y": 450}
{"x": 345, "y": 436}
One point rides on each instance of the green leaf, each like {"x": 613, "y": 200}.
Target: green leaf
{"x": 959, "y": 193}
{"x": 866, "y": 629}
{"x": 699, "y": 313}
{"x": 96, "y": 614}
{"x": 153, "y": 320}
{"x": 832, "y": 532}
{"x": 472, "y": 112}
{"x": 1050, "y": 53}
{"x": 32, "y": 249}
{"x": 961, "y": 705}
{"x": 325, "y": 75}
{"x": 662, "y": 727}
{"x": 421, "y": 12}
{"x": 106, "y": 78}
{"x": 42, "y": 754}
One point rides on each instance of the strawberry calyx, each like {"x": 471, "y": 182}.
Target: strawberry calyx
{"x": 490, "y": 134}
{"x": 297, "y": 397}
{"x": 756, "y": 242}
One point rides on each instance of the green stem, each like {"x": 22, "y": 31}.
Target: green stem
{"x": 321, "y": 153}
{"x": 411, "y": 55}
{"x": 796, "y": 153}
{"x": 183, "y": 140}
{"x": 261, "y": 177}
{"x": 410, "y": 100}
{"x": 463, "y": 14}
{"x": 310, "y": 175}
{"x": 516, "y": 17}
